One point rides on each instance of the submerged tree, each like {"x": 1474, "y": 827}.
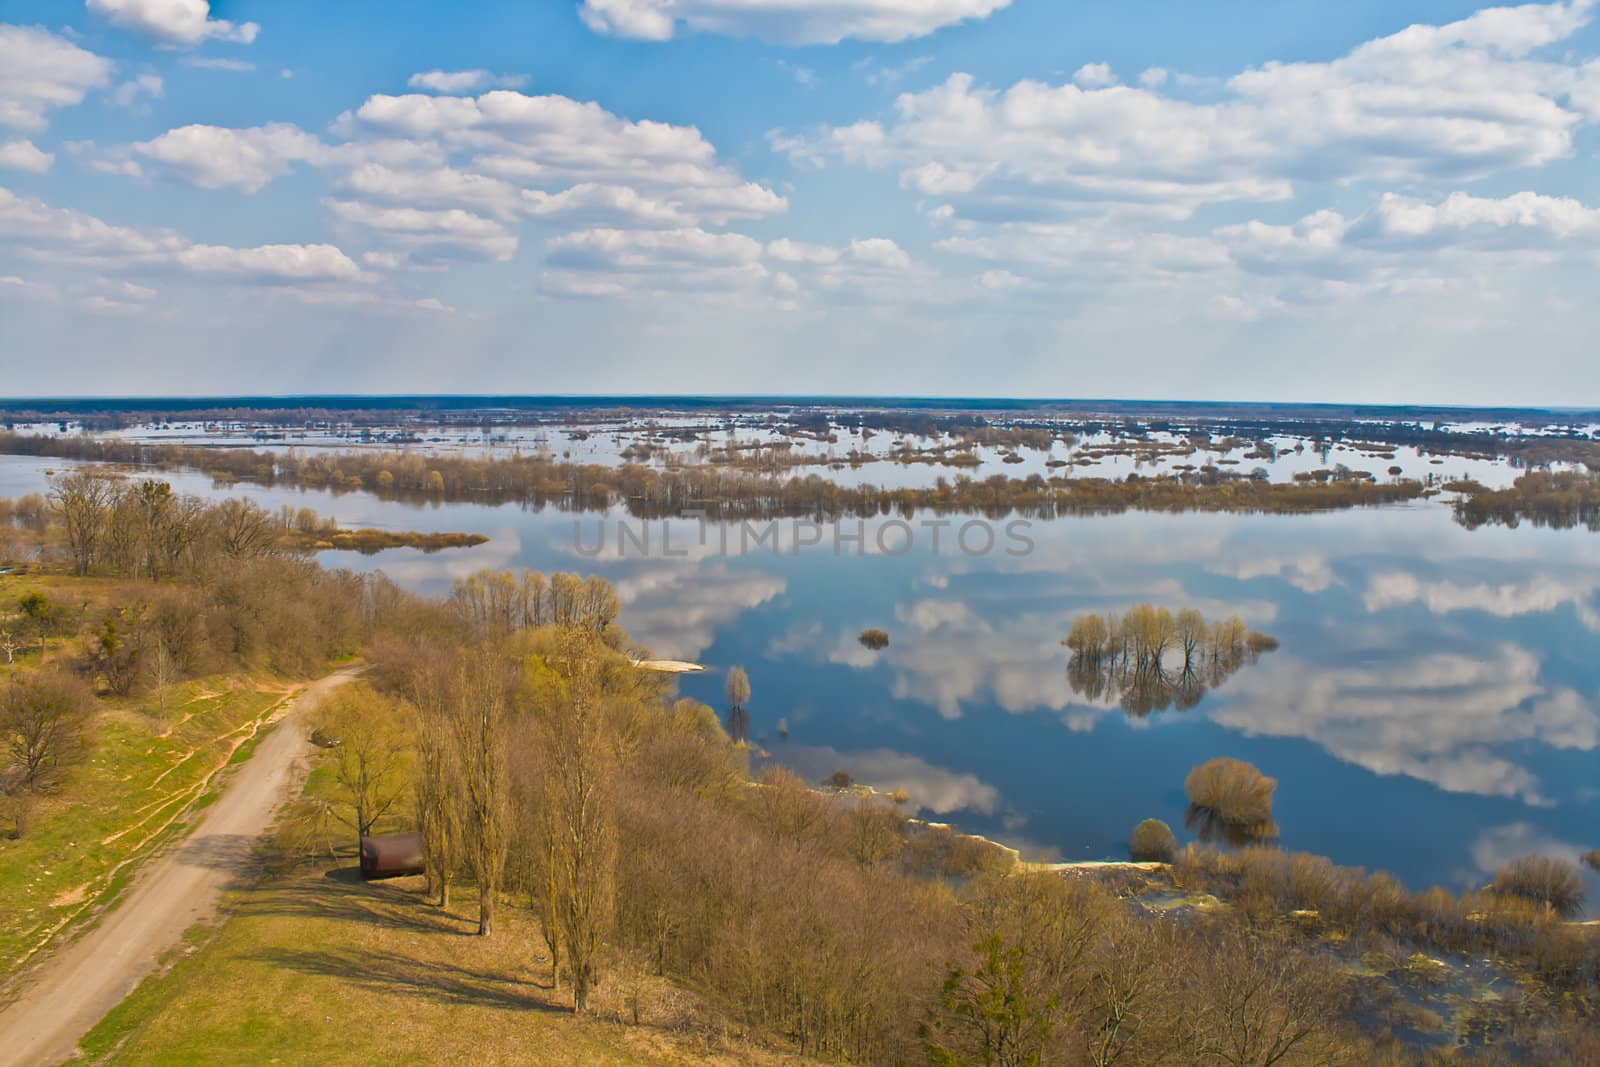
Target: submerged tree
{"x": 874, "y": 639}
{"x": 1134, "y": 657}
{"x": 737, "y": 690}
{"x": 1230, "y": 800}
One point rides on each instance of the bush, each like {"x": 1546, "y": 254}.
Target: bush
{"x": 1152, "y": 842}
{"x": 1591, "y": 859}
{"x": 874, "y": 638}
{"x": 1231, "y": 792}
{"x": 1553, "y": 883}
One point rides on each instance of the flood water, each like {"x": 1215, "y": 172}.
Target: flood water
{"x": 1433, "y": 710}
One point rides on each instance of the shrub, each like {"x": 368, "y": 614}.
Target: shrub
{"x": 874, "y": 638}
{"x": 1152, "y": 841}
{"x": 1550, "y": 882}
{"x": 1591, "y": 859}
{"x": 1233, "y": 793}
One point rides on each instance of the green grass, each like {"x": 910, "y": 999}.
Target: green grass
{"x": 142, "y": 774}
{"x": 315, "y": 967}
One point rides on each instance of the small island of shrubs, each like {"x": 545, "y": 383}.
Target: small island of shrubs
{"x": 874, "y": 638}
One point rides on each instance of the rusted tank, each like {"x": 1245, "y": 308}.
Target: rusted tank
{"x": 391, "y": 856}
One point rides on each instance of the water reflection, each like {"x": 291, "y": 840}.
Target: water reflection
{"x": 1209, "y": 826}
{"x": 1142, "y": 688}
{"x": 1453, "y": 719}
{"x": 1434, "y": 683}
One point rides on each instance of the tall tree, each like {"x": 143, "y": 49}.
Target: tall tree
{"x": 479, "y": 721}
{"x": 578, "y": 809}
{"x": 82, "y": 499}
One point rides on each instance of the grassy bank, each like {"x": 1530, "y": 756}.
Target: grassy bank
{"x": 315, "y": 967}
{"x": 146, "y": 772}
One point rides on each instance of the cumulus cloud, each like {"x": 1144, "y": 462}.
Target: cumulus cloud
{"x": 462, "y": 81}
{"x": 174, "y": 23}
{"x": 64, "y": 235}
{"x": 215, "y": 157}
{"x": 144, "y": 85}
{"x": 783, "y": 21}
{"x": 1327, "y": 242}
{"x": 41, "y": 72}
{"x": 24, "y": 155}
{"x": 429, "y": 235}
{"x": 1452, "y": 102}
{"x": 429, "y": 178}
{"x": 270, "y": 262}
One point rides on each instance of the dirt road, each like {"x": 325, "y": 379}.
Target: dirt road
{"x": 72, "y": 990}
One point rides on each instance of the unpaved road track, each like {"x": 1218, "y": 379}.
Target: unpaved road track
{"x": 73, "y": 989}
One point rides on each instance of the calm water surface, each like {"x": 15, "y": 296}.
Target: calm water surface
{"x": 1434, "y": 709}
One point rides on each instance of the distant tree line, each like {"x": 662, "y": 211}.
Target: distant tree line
{"x": 649, "y": 492}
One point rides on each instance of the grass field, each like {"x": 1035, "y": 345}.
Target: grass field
{"x": 145, "y": 773}
{"x": 316, "y": 967}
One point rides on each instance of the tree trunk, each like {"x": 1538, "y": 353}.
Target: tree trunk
{"x": 485, "y": 911}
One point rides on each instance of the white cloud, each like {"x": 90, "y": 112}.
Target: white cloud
{"x": 677, "y": 610}
{"x": 1327, "y": 242}
{"x": 1094, "y": 76}
{"x": 431, "y": 235}
{"x": 1453, "y": 102}
{"x": 270, "y": 262}
{"x": 40, "y": 72}
{"x": 1539, "y": 594}
{"x": 1450, "y": 718}
{"x": 452, "y": 82}
{"x": 783, "y": 21}
{"x": 234, "y": 66}
{"x": 879, "y": 252}
{"x": 787, "y": 251}
{"x": 128, "y": 93}
{"x": 215, "y": 157}
{"x": 928, "y": 788}
{"x": 173, "y": 22}
{"x": 64, "y": 235}
{"x": 613, "y": 262}
{"x": 24, "y": 155}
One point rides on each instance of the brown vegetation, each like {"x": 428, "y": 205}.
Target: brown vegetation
{"x": 1152, "y": 841}
{"x": 1128, "y": 656}
{"x": 1557, "y": 499}
{"x": 1231, "y": 799}
{"x": 721, "y": 493}
{"x": 1550, "y": 882}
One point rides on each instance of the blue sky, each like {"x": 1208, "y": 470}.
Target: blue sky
{"x": 1212, "y": 200}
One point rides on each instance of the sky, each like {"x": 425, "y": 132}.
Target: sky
{"x": 1385, "y": 201}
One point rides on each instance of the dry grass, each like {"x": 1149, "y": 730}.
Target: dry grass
{"x": 316, "y": 967}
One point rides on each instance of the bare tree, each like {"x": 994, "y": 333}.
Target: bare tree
{"x": 244, "y": 529}
{"x": 737, "y": 689}
{"x": 82, "y": 498}
{"x": 43, "y": 717}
